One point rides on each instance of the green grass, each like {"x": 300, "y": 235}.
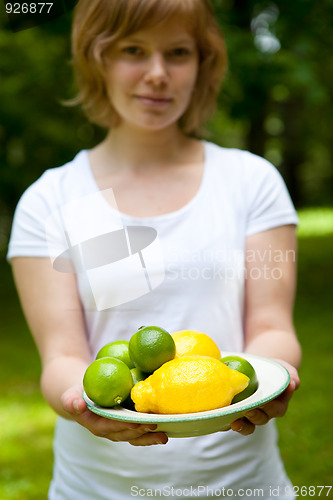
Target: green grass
{"x": 306, "y": 433}
{"x": 26, "y": 422}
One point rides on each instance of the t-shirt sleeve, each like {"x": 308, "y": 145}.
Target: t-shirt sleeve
{"x": 35, "y": 228}
{"x": 269, "y": 204}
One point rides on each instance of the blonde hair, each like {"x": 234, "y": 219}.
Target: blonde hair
{"x": 98, "y": 24}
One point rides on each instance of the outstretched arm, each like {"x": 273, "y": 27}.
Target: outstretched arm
{"x": 269, "y": 301}
{"x": 54, "y": 314}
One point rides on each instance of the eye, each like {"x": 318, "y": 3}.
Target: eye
{"x": 132, "y": 50}
{"x": 180, "y": 52}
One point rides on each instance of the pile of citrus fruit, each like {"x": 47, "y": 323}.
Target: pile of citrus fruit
{"x": 159, "y": 372}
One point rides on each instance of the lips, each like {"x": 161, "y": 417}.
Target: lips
{"x": 158, "y": 98}
{"x": 154, "y": 101}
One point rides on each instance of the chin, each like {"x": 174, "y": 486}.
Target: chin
{"x": 154, "y": 125}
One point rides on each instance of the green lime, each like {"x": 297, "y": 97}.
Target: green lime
{"x": 107, "y": 381}
{"x": 150, "y": 347}
{"x": 137, "y": 376}
{"x": 117, "y": 349}
{"x": 243, "y": 366}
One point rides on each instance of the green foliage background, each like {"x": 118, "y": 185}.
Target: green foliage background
{"x": 277, "y": 102}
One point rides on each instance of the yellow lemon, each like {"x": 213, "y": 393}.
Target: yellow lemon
{"x": 188, "y": 384}
{"x": 192, "y": 342}
{"x": 137, "y": 376}
{"x": 243, "y": 366}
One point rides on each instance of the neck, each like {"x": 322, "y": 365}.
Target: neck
{"x": 143, "y": 148}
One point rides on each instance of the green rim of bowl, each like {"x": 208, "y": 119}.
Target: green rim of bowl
{"x": 123, "y": 414}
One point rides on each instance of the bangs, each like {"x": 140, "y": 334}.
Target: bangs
{"x": 134, "y": 15}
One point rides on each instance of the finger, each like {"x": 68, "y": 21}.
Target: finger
{"x": 114, "y": 430}
{"x": 294, "y": 382}
{"x": 243, "y": 426}
{"x": 104, "y": 427}
{"x": 280, "y": 404}
{"x": 79, "y": 406}
{"x": 276, "y": 408}
{"x": 128, "y": 434}
{"x": 286, "y": 396}
{"x": 294, "y": 377}
{"x": 72, "y": 401}
{"x": 150, "y": 439}
{"x": 293, "y": 386}
{"x": 257, "y": 416}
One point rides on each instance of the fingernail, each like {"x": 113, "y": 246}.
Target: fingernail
{"x": 76, "y": 406}
{"x": 250, "y": 413}
{"x": 151, "y": 427}
{"x": 159, "y": 442}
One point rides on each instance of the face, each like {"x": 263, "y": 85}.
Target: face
{"x": 151, "y": 75}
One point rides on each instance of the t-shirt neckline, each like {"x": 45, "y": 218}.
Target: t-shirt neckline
{"x": 156, "y": 218}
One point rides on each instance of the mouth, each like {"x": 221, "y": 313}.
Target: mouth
{"x": 154, "y": 101}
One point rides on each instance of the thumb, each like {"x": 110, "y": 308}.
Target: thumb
{"x": 72, "y": 401}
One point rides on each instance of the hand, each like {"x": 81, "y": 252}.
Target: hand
{"x": 275, "y": 408}
{"x": 114, "y": 430}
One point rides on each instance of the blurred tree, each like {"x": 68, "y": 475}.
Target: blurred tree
{"x": 36, "y": 130}
{"x": 280, "y": 83}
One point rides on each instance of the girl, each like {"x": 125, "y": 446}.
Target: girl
{"x": 149, "y": 72}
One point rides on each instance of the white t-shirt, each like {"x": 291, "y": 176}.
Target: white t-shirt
{"x": 181, "y": 270}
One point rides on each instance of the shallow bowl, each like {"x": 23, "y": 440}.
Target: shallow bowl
{"x": 273, "y": 379}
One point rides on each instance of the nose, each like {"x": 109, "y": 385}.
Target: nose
{"x": 157, "y": 72}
